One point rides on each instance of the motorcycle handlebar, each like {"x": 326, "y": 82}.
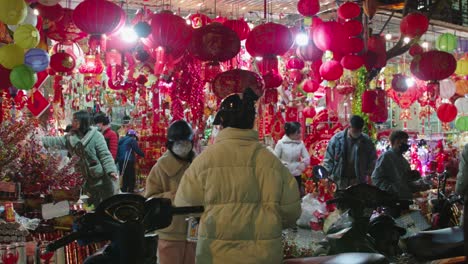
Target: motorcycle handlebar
{"x": 187, "y": 210}
{"x": 63, "y": 241}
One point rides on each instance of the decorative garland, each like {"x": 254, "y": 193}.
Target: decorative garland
{"x": 357, "y": 103}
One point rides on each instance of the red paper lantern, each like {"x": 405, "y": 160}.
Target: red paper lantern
{"x": 199, "y": 20}
{"x": 447, "y": 112}
{"x": 269, "y": 39}
{"x": 345, "y": 88}
{"x": 170, "y": 32}
{"x": 352, "y": 62}
{"x": 352, "y": 28}
{"x": 309, "y": 52}
{"x": 369, "y": 97}
{"x": 92, "y": 65}
{"x": 309, "y": 112}
{"x": 271, "y": 96}
{"x": 376, "y": 44}
{"x": 214, "y": 42}
{"x": 65, "y": 30}
{"x": 349, "y": 10}
{"x": 414, "y": 25}
{"x": 329, "y": 36}
{"x": 308, "y": 7}
{"x": 380, "y": 112}
{"x": 399, "y": 83}
{"x": 272, "y": 80}
{"x": 62, "y": 62}
{"x": 331, "y": 70}
{"x": 97, "y": 17}
{"x": 315, "y": 70}
{"x": 268, "y": 64}
{"x": 239, "y": 26}
{"x": 236, "y": 81}
{"x": 310, "y": 86}
{"x": 353, "y": 45}
{"x": 295, "y": 63}
{"x": 52, "y": 13}
{"x": 4, "y": 78}
{"x": 416, "y": 49}
{"x": 433, "y": 65}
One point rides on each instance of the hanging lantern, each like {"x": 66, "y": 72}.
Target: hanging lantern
{"x": 380, "y": 111}
{"x": 13, "y": 12}
{"x": 331, "y": 70}
{"x": 51, "y": 13}
{"x": 349, "y": 10}
{"x": 23, "y": 77}
{"x": 269, "y": 39}
{"x": 271, "y": 96}
{"x": 11, "y": 55}
{"x": 353, "y": 45}
{"x": 447, "y": 112}
{"x": 239, "y": 26}
{"x": 90, "y": 18}
{"x": 329, "y": 36}
{"x": 433, "y": 65}
{"x": 352, "y": 62}
{"x": 315, "y": 70}
{"x": 91, "y": 66}
{"x": 199, "y": 20}
{"x": 309, "y": 52}
{"x": 65, "y": 30}
{"x": 461, "y": 87}
{"x": 462, "y": 66}
{"x": 62, "y": 63}
{"x": 414, "y": 25}
{"x": 26, "y": 36}
{"x": 369, "y": 97}
{"x": 309, "y": 112}
{"x": 214, "y": 42}
{"x": 352, "y": 28}
{"x": 377, "y": 45}
{"x": 48, "y": 2}
{"x": 308, "y": 8}
{"x": 236, "y": 81}
{"x": 272, "y": 80}
{"x": 446, "y": 42}
{"x": 416, "y": 49}
{"x": 462, "y": 105}
{"x": 37, "y": 59}
{"x": 447, "y": 88}
{"x": 400, "y": 83}
{"x": 295, "y": 63}
{"x": 4, "y": 78}
{"x": 310, "y": 86}
{"x": 462, "y": 123}
{"x": 345, "y": 88}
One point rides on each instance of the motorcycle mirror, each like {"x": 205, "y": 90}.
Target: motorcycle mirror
{"x": 320, "y": 172}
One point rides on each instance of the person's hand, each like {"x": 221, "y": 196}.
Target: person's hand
{"x": 114, "y": 175}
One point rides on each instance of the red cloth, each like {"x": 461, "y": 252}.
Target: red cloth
{"x": 112, "y": 140}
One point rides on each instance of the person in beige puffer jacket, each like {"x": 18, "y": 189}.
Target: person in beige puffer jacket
{"x": 248, "y": 194}
{"x": 162, "y": 182}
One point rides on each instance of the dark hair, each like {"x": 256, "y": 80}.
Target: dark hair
{"x": 292, "y": 128}
{"x": 126, "y": 120}
{"x": 101, "y": 118}
{"x": 179, "y": 130}
{"x": 68, "y": 128}
{"x": 356, "y": 122}
{"x": 236, "y": 112}
{"x": 84, "y": 119}
{"x": 398, "y": 134}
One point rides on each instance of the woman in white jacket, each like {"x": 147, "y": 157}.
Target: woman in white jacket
{"x": 292, "y": 151}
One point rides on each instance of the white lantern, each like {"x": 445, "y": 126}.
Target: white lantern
{"x": 462, "y": 105}
{"x": 447, "y": 88}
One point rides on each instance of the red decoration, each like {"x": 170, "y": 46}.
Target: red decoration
{"x": 97, "y": 17}
{"x": 447, "y": 112}
{"x": 236, "y": 81}
{"x": 308, "y": 7}
{"x": 269, "y": 39}
{"x": 352, "y": 28}
{"x": 349, "y": 10}
{"x": 272, "y": 80}
{"x": 329, "y": 36}
{"x": 210, "y": 71}
{"x": 62, "y": 62}
{"x": 315, "y": 70}
{"x": 92, "y": 65}
{"x": 4, "y": 78}
{"x": 376, "y": 44}
{"x": 52, "y": 13}
{"x": 399, "y": 83}
{"x": 310, "y": 86}
{"x": 433, "y": 65}
{"x": 353, "y": 45}
{"x": 380, "y": 112}
{"x": 214, "y": 42}
{"x": 239, "y": 26}
{"x": 352, "y": 62}
{"x": 65, "y": 30}
{"x": 310, "y": 52}
{"x": 416, "y": 49}
{"x": 331, "y": 70}
{"x": 345, "y": 88}
{"x": 37, "y": 104}
{"x": 309, "y": 112}
{"x": 295, "y": 63}
{"x": 268, "y": 64}
{"x": 406, "y": 99}
{"x": 414, "y": 25}
{"x": 368, "y": 101}
{"x": 271, "y": 96}
{"x": 199, "y": 20}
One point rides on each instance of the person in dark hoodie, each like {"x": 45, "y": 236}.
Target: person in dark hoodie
{"x": 127, "y": 148}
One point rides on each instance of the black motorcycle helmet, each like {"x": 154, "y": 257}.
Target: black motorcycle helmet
{"x": 179, "y": 130}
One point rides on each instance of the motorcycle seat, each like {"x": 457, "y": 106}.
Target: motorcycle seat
{"x": 344, "y": 258}
{"x": 436, "y": 244}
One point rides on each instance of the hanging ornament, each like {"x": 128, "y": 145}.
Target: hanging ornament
{"x": 446, "y": 42}
{"x": 447, "y": 88}
{"x": 415, "y": 50}
{"x": 65, "y": 30}
{"x": 37, "y": 59}
{"x": 239, "y": 26}
{"x": 447, "y": 112}
{"x": 23, "y": 77}
{"x": 414, "y": 25}
{"x": 62, "y": 62}
{"x": 236, "y": 81}
{"x": 13, "y": 12}
{"x": 433, "y": 65}
{"x": 308, "y": 8}
{"x": 11, "y": 55}
{"x": 26, "y": 36}
{"x": 331, "y": 70}
{"x": 348, "y": 10}
{"x": 90, "y": 18}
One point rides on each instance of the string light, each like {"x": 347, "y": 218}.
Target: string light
{"x": 302, "y": 39}
{"x": 388, "y": 36}
{"x": 406, "y": 40}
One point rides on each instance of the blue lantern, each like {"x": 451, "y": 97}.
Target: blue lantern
{"x": 37, "y": 59}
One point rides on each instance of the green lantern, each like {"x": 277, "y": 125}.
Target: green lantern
{"x": 447, "y": 42}
{"x": 23, "y": 77}
{"x": 462, "y": 123}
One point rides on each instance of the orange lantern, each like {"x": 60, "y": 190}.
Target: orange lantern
{"x": 461, "y": 87}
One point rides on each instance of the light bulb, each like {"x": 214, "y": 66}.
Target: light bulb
{"x": 406, "y": 40}
{"x": 188, "y": 22}
{"x": 410, "y": 81}
{"x": 302, "y": 39}
{"x": 128, "y": 34}
{"x": 36, "y": 12}
{"x": 425, "y": 44}
{"x": 258, "y": 58}
{"x": 388, "y": 36}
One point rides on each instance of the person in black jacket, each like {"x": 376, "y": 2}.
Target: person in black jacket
{"x": 127, "y": 148}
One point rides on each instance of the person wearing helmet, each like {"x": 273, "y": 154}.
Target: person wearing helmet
{"x": 249, "y": 196}
{"x": 162, "y": 182}
{"x": 126, "y": 150}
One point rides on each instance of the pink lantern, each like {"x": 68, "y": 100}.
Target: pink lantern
{"x": 414, "y": 25}
{"x": 295, "y": 63}
{"x": 349, "y": 10}
{"x": 352, "y": 62}
{"x": 329, "y": 36}
{"x": 331, "y": 70}
{"x": 308, "y": 7}
{"x": 352, "y": 28}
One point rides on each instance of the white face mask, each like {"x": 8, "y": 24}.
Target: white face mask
{"x": 182, "y": 148}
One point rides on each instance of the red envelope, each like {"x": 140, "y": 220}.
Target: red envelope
{"x": 37, "y": 104}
